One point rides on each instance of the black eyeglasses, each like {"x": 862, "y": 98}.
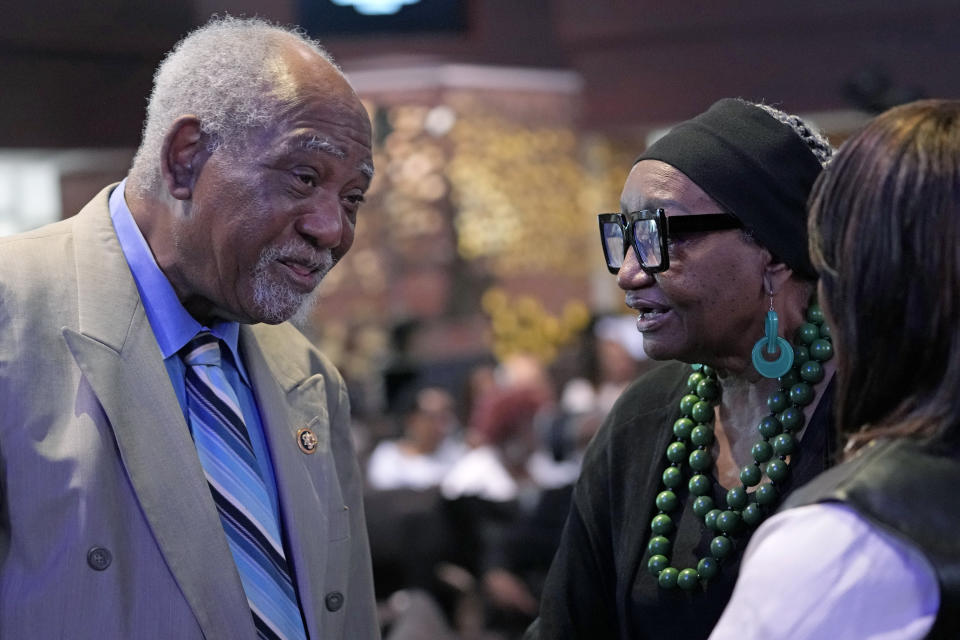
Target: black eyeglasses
{"x": 648, "y": 231}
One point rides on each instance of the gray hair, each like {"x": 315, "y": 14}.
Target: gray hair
{"x": 814, "y": 139}
{"x": 230, "y": 75}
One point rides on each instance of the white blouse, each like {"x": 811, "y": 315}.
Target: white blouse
{"x": 821, "y": 571}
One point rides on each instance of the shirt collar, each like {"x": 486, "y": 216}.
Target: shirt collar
{"x": 172, "y": 324}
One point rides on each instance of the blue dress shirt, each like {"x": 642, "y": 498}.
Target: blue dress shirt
{"x": 174, "y": 327}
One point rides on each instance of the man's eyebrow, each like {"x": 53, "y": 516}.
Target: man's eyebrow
{"x": 366, "y": 169}
{"x": 315, "y": 143}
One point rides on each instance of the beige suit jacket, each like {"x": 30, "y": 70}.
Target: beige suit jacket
{"x": 97, "y": 463}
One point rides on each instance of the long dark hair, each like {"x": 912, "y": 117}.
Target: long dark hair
{"x": 885, "y": 236}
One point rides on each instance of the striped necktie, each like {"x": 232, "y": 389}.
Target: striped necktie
{"x": 230, "y": 465}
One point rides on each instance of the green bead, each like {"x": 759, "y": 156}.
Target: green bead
{"x": 720, "y": 547}
{"x": 707, "y": 568}
{"x": 666, "y": 501}
{"x": 784, "y": 444}
{"x": 765, "y": 494}
{"x": 752, "y": 514}
{"x": 737, "y": 497}
{"x": 801, "y": 394}
{"x": 700, "y": 460}
{"x": 702, "y": 411}
{"x": 762, "y": 451}
{"x": 792, "y": 419}
{"x": 825, "y": 331}
{"x": 659, "y": 546}
{"x": 676, "y": 452}
{"x": 821, "y": 350}
{"x": 807, "y": 333}
{"x": 693, "y": 380}
{"x": 710, "y": 520}
{"x": 703, "y": 505}
{"x": 789, "y": 379}
{"x": 686, "y": 404}
{"x": 811, "y": 371}
{"x": 657, "y": 563}
{"x": 688, "y": 579}
{"x": 668, "y": 578}
{"x": 661, "y": 524}
{"x": 776, "y": 470}
{"x": 801, "y": 354}
{"x": 750, "y": 475}
{"x": 728, "y": 521}
{"x": 815, "y": 313}
{"x": 682, "y": 428}
{"x": 699, "y": 485}
{"x": 710, "y": 372}
{"x": 708, "y": 389}
{"x": 769, "y": 426}
{"x": 672, "y": 477}
{"x": 702, "y": 435}
{"x": 696, "y": 367}
{"x": 777, "y": 401}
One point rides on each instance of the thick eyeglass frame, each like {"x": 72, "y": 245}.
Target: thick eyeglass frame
{"x": 665, "y": 225}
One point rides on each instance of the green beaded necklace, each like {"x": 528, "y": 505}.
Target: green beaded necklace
{"x": 694, "y": 429}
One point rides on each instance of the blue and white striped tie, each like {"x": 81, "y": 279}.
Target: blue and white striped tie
{"x": 230, "y": 465}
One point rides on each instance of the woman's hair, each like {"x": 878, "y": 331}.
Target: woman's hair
{"x": 228, "y": 73}
{"x": 811, "y": 136}
{"x": 885, "y": 236}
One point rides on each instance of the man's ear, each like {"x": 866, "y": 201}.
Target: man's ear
{"x": 183, "y": 155}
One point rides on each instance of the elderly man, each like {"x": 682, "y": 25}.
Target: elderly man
{"x": 172, "y": 465}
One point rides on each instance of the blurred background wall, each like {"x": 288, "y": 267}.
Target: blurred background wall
{"x": 501, "y": 126}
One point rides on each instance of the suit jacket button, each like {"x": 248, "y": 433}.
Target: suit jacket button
{"x": 334, "y": 601}
{"x": 99, "y": 558}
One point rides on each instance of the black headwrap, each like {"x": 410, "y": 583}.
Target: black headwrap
{"x": 754, "y": 166}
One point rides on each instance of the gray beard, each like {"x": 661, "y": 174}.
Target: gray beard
{"x": 276, "y": 301}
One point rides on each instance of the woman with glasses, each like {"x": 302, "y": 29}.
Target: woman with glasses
{"x": 870, "y": 549}
{"x": 710, "y": 249}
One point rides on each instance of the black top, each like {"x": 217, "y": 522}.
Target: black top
{"x": 598, "y": 585}
{"x": 909, "y": 489}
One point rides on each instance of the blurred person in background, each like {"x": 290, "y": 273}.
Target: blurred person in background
{"x": 502, "y": 433}
{"x": 450, "y": 547}
{"x": 410, "y": 532}
{"x": 870, "y": 549}
{"x": 426, "y": 451}
{"x": 507, "y": 523}
{"x": 177, "y": 458}
{"x": 710, "y": 249}
{"x": 610, "y": 359}
{"x": 620, "y": 359}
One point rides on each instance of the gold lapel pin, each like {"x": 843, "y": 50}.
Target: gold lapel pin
{"x": 307, "y": 440}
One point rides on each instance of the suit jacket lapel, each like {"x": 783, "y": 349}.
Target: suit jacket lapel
{"x": 290, "y": 399}
{"x": 117, "y": 352}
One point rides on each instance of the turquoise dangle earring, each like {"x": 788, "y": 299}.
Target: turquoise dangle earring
{"x": 769, "y": 343}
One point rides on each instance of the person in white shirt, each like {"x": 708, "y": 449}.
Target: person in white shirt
{"x": 427, "y": 449}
